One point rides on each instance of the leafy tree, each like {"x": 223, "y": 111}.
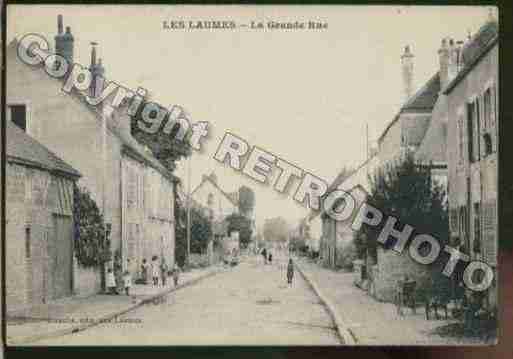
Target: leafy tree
{"x": 276, "y": 229}
{"x": 246, "y": 201}
{"x": 201, "y": 230}
{"x": 165, "y": 147}
{"x": 241, "y": 224}
{"x": 92, "y": 245}
{"x": 406, "y": 190}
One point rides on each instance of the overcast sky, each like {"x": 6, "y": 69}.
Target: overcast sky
{"x": 306, "y": 96}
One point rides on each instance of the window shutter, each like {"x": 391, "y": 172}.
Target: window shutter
{"x": 495, "y": 120}
{"x": 490, "y": 231}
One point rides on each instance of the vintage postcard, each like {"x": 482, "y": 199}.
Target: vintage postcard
{"x": 251, "y": 175}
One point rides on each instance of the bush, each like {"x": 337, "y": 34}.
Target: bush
{"x": 346, "y": 254}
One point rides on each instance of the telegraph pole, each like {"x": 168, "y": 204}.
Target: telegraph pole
{"x": 188, "y": 209}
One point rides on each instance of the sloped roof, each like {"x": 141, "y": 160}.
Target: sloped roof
{"x": 421, "y": 102}
{"x": 128, "y": 142}
{"x": 23, "y": 149}
{"x": 473, "y": 48}
{"x": 425, "y": 98}
{"x": 208, "y": 179}
{"x": 433, "y": 146}
{"x": 478, "y": 45}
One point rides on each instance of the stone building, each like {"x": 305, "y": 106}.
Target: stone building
{"x": 208, "y": 194}
{"x": 419, "y": 129}
{"x": 217, "y": 205}
{"x": 337, "y": 236}
{"x": 39, "y": 224}
{"x": 473, "y": 124}
{"x": 132, "y": 189}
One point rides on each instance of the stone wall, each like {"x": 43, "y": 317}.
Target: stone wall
{"x": 86, "y": 281}
{"x": 391, "y": 267}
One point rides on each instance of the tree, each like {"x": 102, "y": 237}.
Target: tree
{"x": 92, "y": 245}
{"x": 201, "y": 230}
{"x": 276, "y": 229}
{"x": 407, "y": 191}
{"x": 246, "y": 201}
{"x": 164, "y": 146}
{"x": 241, "y": 224}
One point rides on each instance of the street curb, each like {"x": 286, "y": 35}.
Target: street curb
{"x": 345, "y": 334}
{"x": 108, "y": 317}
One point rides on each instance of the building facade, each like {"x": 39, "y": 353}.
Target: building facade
{"x": 116, "y": 169}
{"x": 39, "y": 224}
{"x": 472, "y": 98}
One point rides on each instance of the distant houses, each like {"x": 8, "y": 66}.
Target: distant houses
{"x": 217, "y": 204}
{"x": 132, "y": 189}
{"x": 450, "y": 125}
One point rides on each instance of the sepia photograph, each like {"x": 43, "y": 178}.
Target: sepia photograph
{"x": 180, "y": 175}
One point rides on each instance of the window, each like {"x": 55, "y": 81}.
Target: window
{"x": 487, "y": 109}
{"x": 477, "y": 228}
{"x": 470, "y": 131}
{"x": 461, "y": 138}
{"x": 18, "y": 114}
{"x": 488, "y": 148}
{"x": 477, "y": 135}
{"x": 27, "y": 242}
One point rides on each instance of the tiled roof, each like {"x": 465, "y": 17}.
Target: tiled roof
{"x": 227, "y": 195}
{"x": 484, "y": 40}
{"x": 473, "y": 48}
{"x": 423, "y": 101}
{"x": 22, "y": 148}
{"x": 128, "y": 141}
{"x": 433, "y": 146}
{"x": 425, "y": 98}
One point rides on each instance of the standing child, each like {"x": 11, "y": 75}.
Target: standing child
{"x": 111, "y": 282}
{"x": 155, "y": 270}
{"x": 144, "y": 271}
{"x": 163, "y": 271}
{"x": 176, "y": 274}
{"x": 290, "y": 271}
{"x": 127, "y": 282}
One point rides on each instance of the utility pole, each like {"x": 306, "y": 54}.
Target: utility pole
{"x": 367, "y": 140}
{"x": 188, "y": 209}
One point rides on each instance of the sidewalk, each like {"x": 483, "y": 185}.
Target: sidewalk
{"x": 372, "y": 322}
{"x": 74, "y": 314}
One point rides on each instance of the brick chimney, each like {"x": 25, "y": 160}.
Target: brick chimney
{"x": 64, "y": 41}
{"x": 407, "y": 71}
{"x": 444, "y": 60}
{"x": 97, "y": 72}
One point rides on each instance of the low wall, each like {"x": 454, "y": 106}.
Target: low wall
{"x": 86, "y": 281}
{"x": 391, "y": 268}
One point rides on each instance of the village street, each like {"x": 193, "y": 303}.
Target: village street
{"x": 248, "y": 305}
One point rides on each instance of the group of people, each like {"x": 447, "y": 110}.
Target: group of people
{"x": 148, "y": 273}
{"x": 268, "y": 258}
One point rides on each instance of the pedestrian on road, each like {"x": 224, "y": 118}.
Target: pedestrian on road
{"x": 163, "y": 271}
{"x": 155, "y": 270}
{"x": 176, "y": 274}
{"x": 270, "y": 258}
{"x": 127, "y": 281}
{"x": 145, "y": 271}
{"x": 290, "y": 271}
{"x": 111, "y": 282}
{"x": 264, "y": 254}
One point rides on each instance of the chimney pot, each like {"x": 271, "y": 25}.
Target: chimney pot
{"x": 68, "y": 30}
{"x": 59, "y": 24}
{"x": 407, "y": 72}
